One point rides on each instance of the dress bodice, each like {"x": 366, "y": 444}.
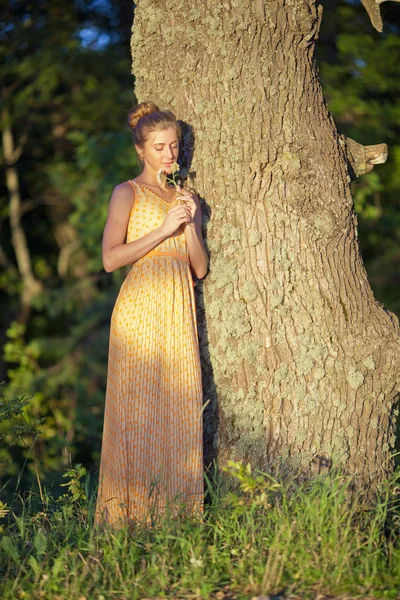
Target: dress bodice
{"x": 148, "y": 213}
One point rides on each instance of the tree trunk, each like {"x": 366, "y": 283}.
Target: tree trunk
{"x": 300, "y": 362}
{"x": 30, "y": 285}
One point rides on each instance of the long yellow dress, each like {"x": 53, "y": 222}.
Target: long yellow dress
{"x": 151, "y": 452}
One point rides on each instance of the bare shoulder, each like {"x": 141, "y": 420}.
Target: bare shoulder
{"x": 123, "y": 195}
{"x": 123, "y": 190}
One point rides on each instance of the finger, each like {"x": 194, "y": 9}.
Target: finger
{"x": 177, "y": 209}
{"x": 184, "y": 210}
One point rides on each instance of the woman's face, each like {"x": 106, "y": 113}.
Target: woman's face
{"x": 161, "y": 150}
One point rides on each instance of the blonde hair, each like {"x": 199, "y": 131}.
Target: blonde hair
{"x": 147, "y": 118}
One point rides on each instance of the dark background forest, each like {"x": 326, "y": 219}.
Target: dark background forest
{"x": 66, "y": 88}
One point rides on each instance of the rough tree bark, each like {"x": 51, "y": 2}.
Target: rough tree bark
{"x": 300, "y": 362}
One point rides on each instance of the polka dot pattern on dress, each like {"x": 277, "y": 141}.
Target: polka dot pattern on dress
{"x": 152, "y": 453}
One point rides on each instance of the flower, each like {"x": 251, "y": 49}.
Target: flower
{"x": 196, "y": 562}
{"x": 160, "y": 176}
{"x": 174, "y": 171}
{"x": 175, "y": 179}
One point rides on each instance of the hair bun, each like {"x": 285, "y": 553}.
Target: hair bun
{"x": 142, "y": 109}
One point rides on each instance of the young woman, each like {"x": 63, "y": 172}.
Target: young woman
{"x": 151, "y": 455}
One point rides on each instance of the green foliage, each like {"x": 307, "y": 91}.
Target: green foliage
{"x": 55, "y": 402}
{"x": 10, "y": 549}
{"x": 66, "y": 100}
{"x": 304, "y": 539}
{"x": 258, "y": 491}
{"x": 3, "y": 513}
{"x": 74, "y": 484}
{"x": 74, "y": 503}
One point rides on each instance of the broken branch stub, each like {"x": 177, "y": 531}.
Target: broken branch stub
{"x": 362, "y": 159}
{"x": 373, "y": 9}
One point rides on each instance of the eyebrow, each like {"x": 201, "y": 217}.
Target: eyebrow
{"x": 163, "y": 144}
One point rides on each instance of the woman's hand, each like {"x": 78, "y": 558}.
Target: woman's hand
{"x": 189, "y": 202}
{"x": 176, "y": 216}
{"x": 193, "y": 235}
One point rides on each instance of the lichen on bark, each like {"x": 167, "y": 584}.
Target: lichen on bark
{"x": 300, "y": 362}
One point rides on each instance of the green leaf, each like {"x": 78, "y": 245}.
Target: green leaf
{"x": 34, "y": 564}
{"x": 40, "y": 543}
{"x": 57, "y": 566}
{"x": 10, "y": 549}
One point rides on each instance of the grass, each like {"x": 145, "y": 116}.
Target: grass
{"x": 264, "y": 537}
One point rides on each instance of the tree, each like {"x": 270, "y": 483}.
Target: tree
{"x": 300, "y": 361}
{"x": 65, "y": 91}
{"x": 358, "y": 68}
{"x": 51, "y": 89}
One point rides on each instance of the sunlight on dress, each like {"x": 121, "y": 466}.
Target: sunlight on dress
{"x": 152, "y": 455}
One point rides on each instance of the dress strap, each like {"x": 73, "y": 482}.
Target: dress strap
{"x": 134, "y": 194}
{"x": 132, "y": 186}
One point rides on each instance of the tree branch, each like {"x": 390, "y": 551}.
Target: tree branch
{"x": 64, "y": 256}
{"x": 32, "y": 204}
{"x": 31, "y": 285}
{"x": 372, "y": 8}
{"x": 20, "y": 146}
{"x": 362, "y": 159}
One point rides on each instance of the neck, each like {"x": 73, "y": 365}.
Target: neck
{"x": 150, "y": 177}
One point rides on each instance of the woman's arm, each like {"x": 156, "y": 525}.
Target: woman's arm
{"x": 116, "y": 253}
{"x": 194, "y": 238}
